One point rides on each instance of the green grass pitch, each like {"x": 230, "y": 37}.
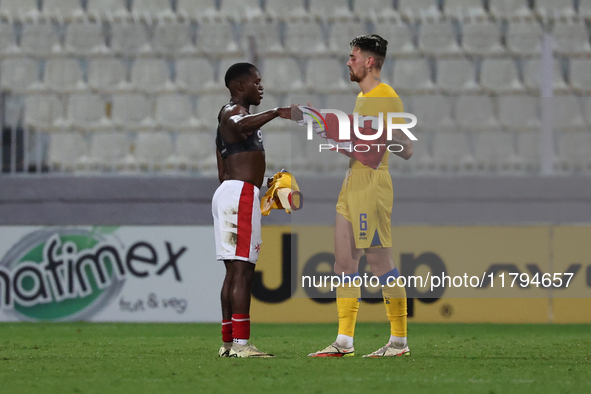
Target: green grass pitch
{"x": 182, "y": 358}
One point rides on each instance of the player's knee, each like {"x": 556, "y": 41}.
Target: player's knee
{"x": 345, "y": 267}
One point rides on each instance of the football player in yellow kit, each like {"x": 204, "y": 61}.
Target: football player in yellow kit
{"x": 364, "y": 208}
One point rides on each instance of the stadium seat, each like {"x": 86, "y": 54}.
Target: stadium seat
{"x": 524, "y": 38}
{"x": 573, "y": 152}
{"x": 494, "y": 151}
{"x": 412, "y": 76}
{"x": 482, "y": 38}
{"x": 107, "y": 9}
{"x": 241, "y": 10}
{"x": 554, "y": 9}
{"x": 585, "y": 9}
{"x": 172, "y": 39}
{"x": 455, "y": 76}
{"x": 580, "y": 75}
{"x": 67, "y": 151}
{"x": 418, "y": 9}
{"x": 153, "y": 150}
{"x": 18, "y": 74}
{"x": 106, "y": 74}
{"x": 63, "y": 75}
{"x": 326, "y": 76}
{"x": 40, "y": 39}
{"x": 433, "y": 112}
{"x": 109, "y": 150}
{"x": 519, "y": 112}
{"x": 284, "y": 10}
{"x": 130, "y": 39}
{"x": 567, "y": 113}
{"x": 85, "y": 39}
{"x": 196, "y": 151}
{"x": 19, "y": 9}
{"x": 196, "y": 82}
{"x": 571, "y": 38}
{"x": 62, "y": 10}
{"x": 42, "y": 110}
{"x": 265, "y": 35}
{"x": 304, "y": 38}
{"x": 132, "y": 111}
{"x": 476, "y": 113}
{"x": 8, "y": 40}
{"x": 461, "y": 9}
{"x": 281, "y": 75}
{"x": 375, "y": 10}
{"x": 208, "y": 108}
{"x": 528, "y": 151}
{"x": 438, "y": 38}
{"x": 216, "y": 39}
{"x": 399, "y": 37}
{"x": 152, "y": 9}
{"x": 533, "y": 75}
{"x": 197, "y": 9}
{"x": 500, "y": 76}
{"x": 151, "y": 75}
{"x": 175, "y": 112}
{"x": 330, "y": 10}
{"x": 451, "y": 152}
{"x": 87, "y": 111}
{"x": 342, "y": 33}
{"x": 509, "y": 9}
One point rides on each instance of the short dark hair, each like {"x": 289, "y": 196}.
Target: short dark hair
{"x": 237, "y": 71}
{"x": 373, "y": 44}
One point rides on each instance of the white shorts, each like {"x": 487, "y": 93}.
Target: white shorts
{"x": 237, "y": 221}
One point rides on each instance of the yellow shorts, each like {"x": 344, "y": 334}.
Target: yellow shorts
{"x": 365, "y": 200}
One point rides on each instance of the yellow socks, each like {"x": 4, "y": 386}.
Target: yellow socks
{"x": 347, "y": 306}
{"x": 395, "y": 303}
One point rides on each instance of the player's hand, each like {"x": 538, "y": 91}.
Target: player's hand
{"x": 292, "y": 112}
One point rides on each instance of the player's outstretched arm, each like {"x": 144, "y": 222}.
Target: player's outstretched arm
{"x": 398, "y": 137}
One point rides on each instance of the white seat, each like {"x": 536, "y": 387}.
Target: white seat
{"x": 500, "y": 76}
{"x": 40, "y": 39}
{"x": 374, "y": 9}
{"x": 197, "y": 9}
{"x": 412, "y": 76}
{"x": 43, "y": 110}
{"x": 286, "y": 9}
{"x": 330, "y": 10}
{"x": 528, "y": 150}
{"x": 482, "y": 38}
{"x": 18, "y": 9}
{"x": 216, "y": 39}
{"x": 567, "y": 113}
{"x": 132, "y": 111}
{"x": 175, "y": 112}
{"x": 130, "y": 39}
{"x": 438, "y": 38}
{"x": 8, "y": 39}
{"x": 418, "y": 9}
{"x": 524, "y": 37}
{"x": 304, "y": 38}
{"x": 456, "y": 76}
{"x": 152, "y": 8}
{"x": 580, "y": 75}
{"x": 195, "y": 82}
{"x": 460, "y": 9}
{"x": 571, "y": 38}
{"x": 173, "y": 39}
{"x": 87, "y": 111}
{"x": 433, "y": 112}
{"x": 399, "y": 37}
{"x": 107, "y": 8}
{"x": 63, "y": 75}
{"x": 67, "y": 151}
{"x": 18, "y": 74}
{"x": 341, "y": 35}
{"x": 62, "y": 9}
{"x": 265, "y": 35}
{"x": 150, "y": 75}
{"x": 153, "y": 149}
{"x": 208, "y": 108}
{"x": 532, "y": 75}
{"x": 451, "y": 152}
{"x": 494, "y": 151}
{"x": 585, "y": 9}
{"x": 326, "y": 76}
{"x": 573, "y": 151}
{"x": 508, "y": 9}
{"x": 85, "y": 39}
{"x": 549, "y": 9}
{"x": 196, "y": 151}
{"x": 241, "y": 10}
{"x": 281, "y": 75}
{"x": 106, "y": 74}
{"x": 109, "y": 150}
{"x": 476, "y": 113}
{"x": 518, "y": 112}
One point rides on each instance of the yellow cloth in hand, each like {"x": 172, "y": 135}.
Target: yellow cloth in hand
{"x": 283, "y": 193}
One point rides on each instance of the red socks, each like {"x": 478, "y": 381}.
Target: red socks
{"x": 240, "y": 326}
{"x": 227, "y": 330}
